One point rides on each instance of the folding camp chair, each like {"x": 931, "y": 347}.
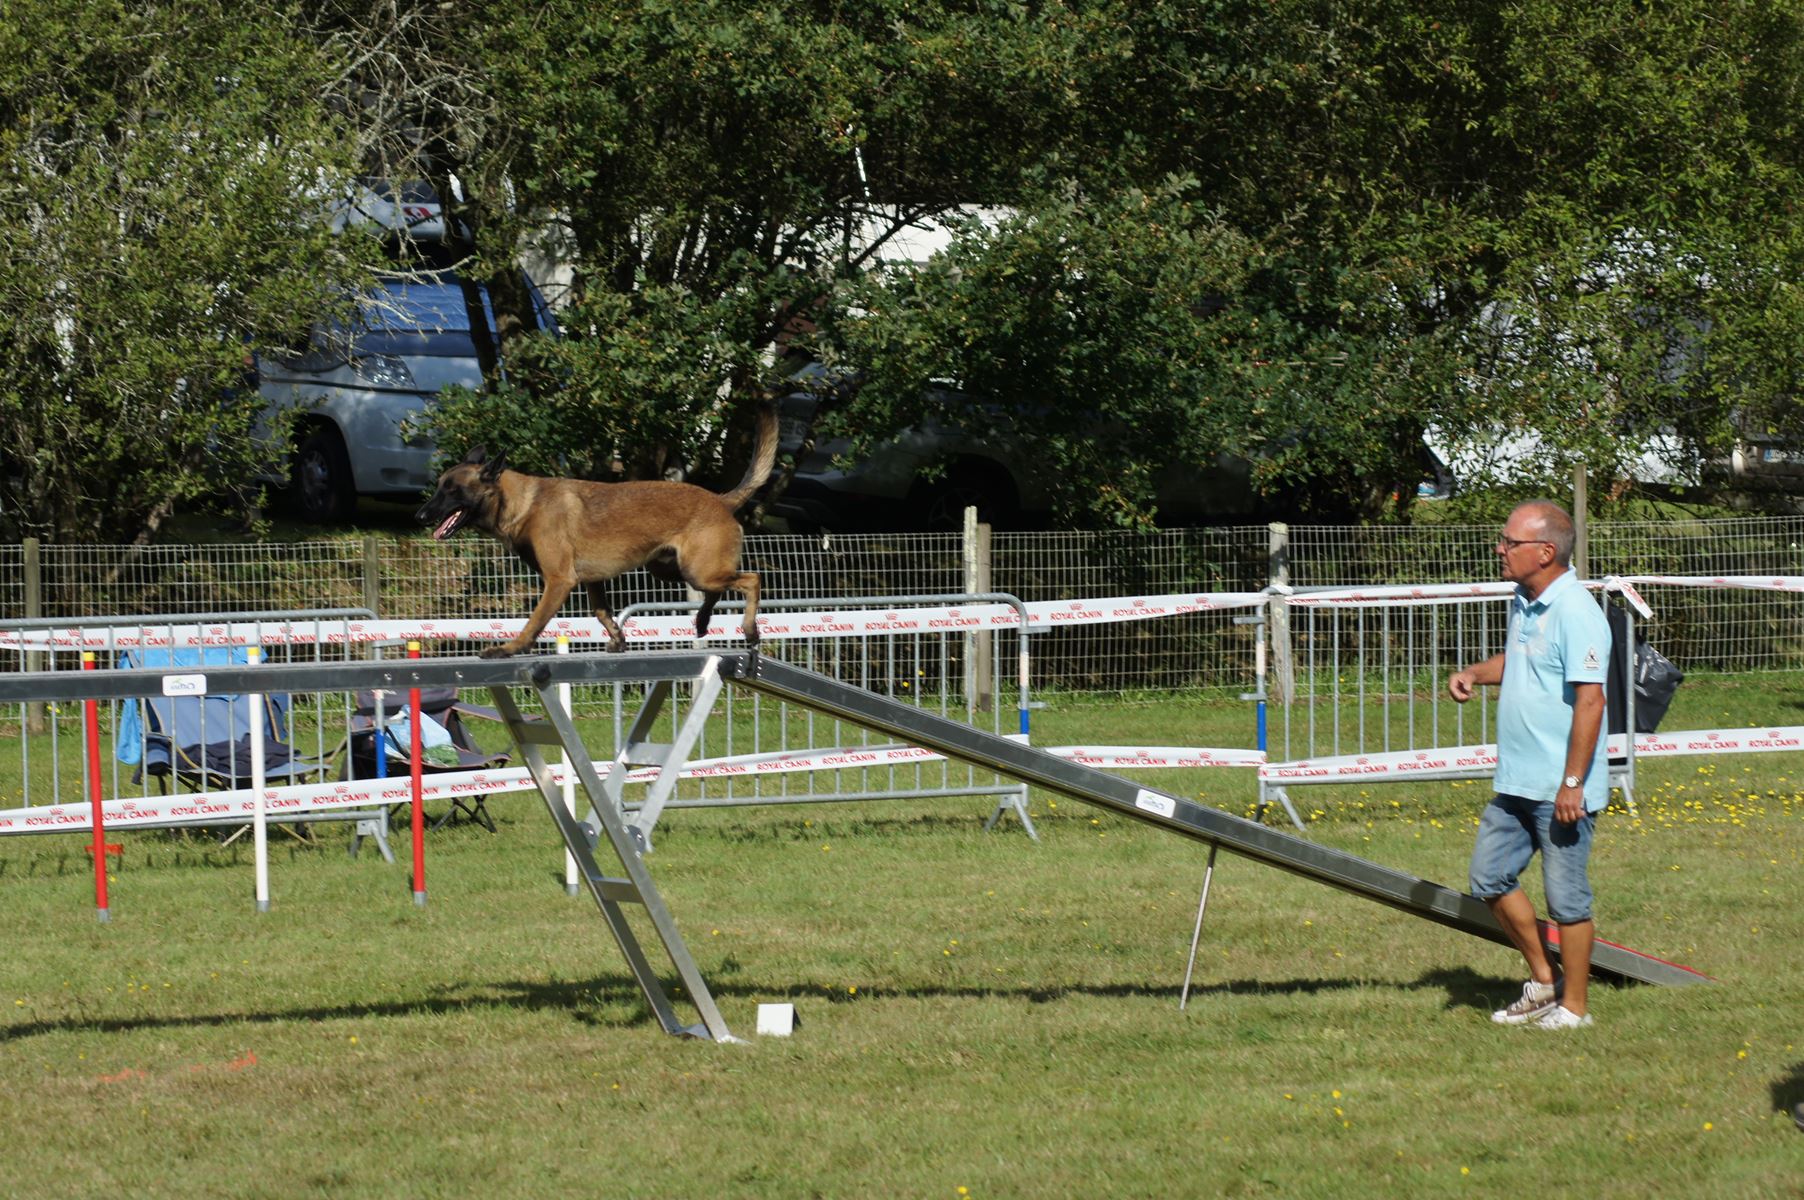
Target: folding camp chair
{"x": 204, "y": 742}
{"x": 458, "y": 750}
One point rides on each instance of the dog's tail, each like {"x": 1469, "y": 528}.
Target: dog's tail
{"x": 764, "y": 457}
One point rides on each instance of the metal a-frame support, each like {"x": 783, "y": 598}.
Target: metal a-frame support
{"x": 605, "y": 819}
{"x": 668, "y": 757}
{"x": 1014, "y": 800}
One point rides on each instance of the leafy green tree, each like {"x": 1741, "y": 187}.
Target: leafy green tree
{"x": 1094, "y": 327}
{"x": 165, "y": 175}
{"x": 1564, "y": 228}
{"x": 1498, "y": 220}
{"x": 715, "y": 169}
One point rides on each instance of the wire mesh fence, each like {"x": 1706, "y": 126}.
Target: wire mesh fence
{"x": 476, "y": 578}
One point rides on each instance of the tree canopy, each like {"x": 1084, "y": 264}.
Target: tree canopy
{"x": 165, "y": 172}
{"x": 1304, "y": 234}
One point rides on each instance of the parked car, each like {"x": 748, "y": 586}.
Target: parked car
{"x": 1766, "y": 464}
{"x": 353, "y": 388}
{"x": 926, "y": 476}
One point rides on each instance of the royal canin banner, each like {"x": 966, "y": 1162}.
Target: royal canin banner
{"x": 679, "y": 627}
{"x": 1482, "y": 760}
{"x": 279, "y": 803}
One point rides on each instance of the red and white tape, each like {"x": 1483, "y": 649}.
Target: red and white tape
{"x": 240, "y": 804}
{"x": 679, "y": 627}
{"x": 1420, "y": 764}
{"x": 1452, "y": 761}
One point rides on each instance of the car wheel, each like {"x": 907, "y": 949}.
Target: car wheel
{"x": 320, "y": 483}
{"x": 985, "y": 486}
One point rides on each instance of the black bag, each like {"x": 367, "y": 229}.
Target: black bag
{"x": 1656, "y": 679}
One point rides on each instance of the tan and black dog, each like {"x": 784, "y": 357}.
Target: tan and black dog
{"x": 574, "y": 531}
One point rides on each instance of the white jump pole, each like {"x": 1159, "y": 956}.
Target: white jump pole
{"x": 572, "y": 885}
{"x": 259, "y": 817}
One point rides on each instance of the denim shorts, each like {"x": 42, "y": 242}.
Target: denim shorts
{"x": 1509, "y": 833}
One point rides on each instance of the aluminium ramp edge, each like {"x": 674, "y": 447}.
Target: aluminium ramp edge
{"x": 1336, "y": 868}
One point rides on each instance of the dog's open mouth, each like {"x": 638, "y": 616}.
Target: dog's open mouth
{"x": 449, "y": 525}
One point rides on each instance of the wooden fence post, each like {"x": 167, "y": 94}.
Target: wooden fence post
{"x": 1284, "y": 672}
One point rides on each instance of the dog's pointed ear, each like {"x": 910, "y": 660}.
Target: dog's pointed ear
{"x": 476, "y": 456}
{"x": 491, "y": 471}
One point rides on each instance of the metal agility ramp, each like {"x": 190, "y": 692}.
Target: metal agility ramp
{"x": 611, "y": 831}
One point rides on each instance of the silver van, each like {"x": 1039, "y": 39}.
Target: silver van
{"x": 354, "y": 387}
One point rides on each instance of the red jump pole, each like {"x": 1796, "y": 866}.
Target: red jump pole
{"x": 91, "y": 719}
{"x": 419, "y": 808}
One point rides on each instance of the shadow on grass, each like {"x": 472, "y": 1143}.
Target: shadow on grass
{"x": 583, "y": 1000}
{"x": 1788, "y": 1093}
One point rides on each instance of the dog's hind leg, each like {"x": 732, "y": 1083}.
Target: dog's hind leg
{"x": 747, "y": 583}
{"x": 744, "y": 582}
{"x": 598, "y": 600}
{"x": 703, "y": 615}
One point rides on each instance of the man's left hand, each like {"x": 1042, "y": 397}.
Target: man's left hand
{"x": 1569, "y": 805}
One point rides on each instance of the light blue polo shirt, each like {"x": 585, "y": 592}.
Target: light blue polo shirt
{"x": 1554, "y": 641}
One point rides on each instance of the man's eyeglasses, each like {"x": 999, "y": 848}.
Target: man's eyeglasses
{"x": 1512, "y": 543}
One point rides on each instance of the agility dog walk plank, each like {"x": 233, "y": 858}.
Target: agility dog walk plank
{"x": 904, "y": 721}
{"x": 1336, "y": 868}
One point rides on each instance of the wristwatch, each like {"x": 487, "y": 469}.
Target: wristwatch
{"x": 1573, "y": 781}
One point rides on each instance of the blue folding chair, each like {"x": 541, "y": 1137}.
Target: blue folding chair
{"x": 204, "y": 742}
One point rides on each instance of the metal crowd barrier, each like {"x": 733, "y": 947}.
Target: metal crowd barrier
{"x": 954, "y": 668}
{"x": 54, "y": 774}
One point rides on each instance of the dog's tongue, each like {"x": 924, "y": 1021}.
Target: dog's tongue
{"x": 448, "y": 526}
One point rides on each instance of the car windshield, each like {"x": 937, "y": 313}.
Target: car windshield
{"x": 432, "y": 302}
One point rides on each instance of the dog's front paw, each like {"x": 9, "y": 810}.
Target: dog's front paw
{"x": 497, "y": 652}
{"x": 617, "y": 645}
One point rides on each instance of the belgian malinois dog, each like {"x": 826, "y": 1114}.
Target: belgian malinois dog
{"x": 574, "y": 531}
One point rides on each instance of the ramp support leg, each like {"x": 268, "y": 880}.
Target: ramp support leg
{"x": 634, "y": 886}
{"x": 1196, "y": 934}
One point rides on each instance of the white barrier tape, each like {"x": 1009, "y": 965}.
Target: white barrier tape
{"x": 1426, "y": 763}
{"x": 280, "y": 802}
{"x": 1700, "y": 741}
{"x": 1408, "y": 594}
{"x": 677, "y": 627}
{"x": 1398, "y": 764}
{"x": 1616, "y": 583}
{"x": 1131, "y": 758}
{"x": 1393, "y": 595}
{"x": 1761, "y": 583}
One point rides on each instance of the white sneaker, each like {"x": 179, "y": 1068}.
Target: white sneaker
{"x": 1563, "y": 1018}
{"x": 1538, "y": 999}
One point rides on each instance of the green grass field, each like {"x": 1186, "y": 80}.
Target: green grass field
{"x": 980, "y": 1015}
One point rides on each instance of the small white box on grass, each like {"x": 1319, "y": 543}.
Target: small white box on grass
{"x": 777, "y": 1020}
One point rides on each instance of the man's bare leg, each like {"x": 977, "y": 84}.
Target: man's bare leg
{"x": 1575, "y": 961}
